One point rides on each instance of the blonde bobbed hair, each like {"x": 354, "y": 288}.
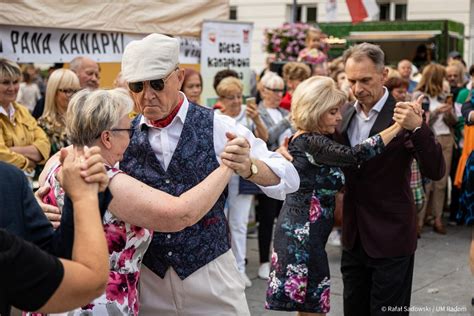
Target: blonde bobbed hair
{"x": 59, "y": 79}
{"x": 9, "y": 70}
{"x": 229, "y": 85}
{"x": 311, "y": 99}
{"x": 92, "y": 112}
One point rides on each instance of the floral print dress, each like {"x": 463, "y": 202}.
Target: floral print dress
{"x": 127, "y": 245}
{"x": 299, "y": 276}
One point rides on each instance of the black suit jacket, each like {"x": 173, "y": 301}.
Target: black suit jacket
{"x": 378, "y": 202}
{"x": 21, "y": 215}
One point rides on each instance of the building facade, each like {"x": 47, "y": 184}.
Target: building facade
{"x": 273, "y": 13}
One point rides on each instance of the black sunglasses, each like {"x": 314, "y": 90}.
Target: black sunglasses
{"x": 156, "y": 84}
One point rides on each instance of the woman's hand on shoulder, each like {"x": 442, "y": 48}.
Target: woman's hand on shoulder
{"x": 283, "y": 150}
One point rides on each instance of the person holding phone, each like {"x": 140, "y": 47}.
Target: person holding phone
{"x": 230, "y": 91}
{"x": 441, "y": 119}
{"x": 251, "y": 111}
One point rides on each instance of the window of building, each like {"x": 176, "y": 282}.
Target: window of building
{"x": 304, "y": 13}
{"x": 392, "y": 10}
{"x": 311, "y": 14}
{"x": 401, "y": 12}
{"x": 299, "y": 9}
{"x": 233, "y": 13}
{"x": 384, "y": 14}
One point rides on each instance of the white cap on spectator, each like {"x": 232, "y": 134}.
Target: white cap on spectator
{"x": 152, "y": 57}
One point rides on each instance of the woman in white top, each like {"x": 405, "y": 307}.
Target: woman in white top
{"x": 441, "y": 119}
{"x": 230, "y": 91}
{"x": 271, "y": 89}
{"x": 276, "y": 119}
{"x": 29, "y": 92}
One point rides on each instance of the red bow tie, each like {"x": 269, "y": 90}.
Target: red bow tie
{"x": 167, "y": 120}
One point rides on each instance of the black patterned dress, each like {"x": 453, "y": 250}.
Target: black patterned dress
{"x": 299, "y": 277}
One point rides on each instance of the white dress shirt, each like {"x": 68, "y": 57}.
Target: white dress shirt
{"x": 164, "y": 141}
{"x": 241, "y": 118}
{"x": 360, "y": 126}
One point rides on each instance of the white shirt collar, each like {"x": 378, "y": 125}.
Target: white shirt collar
{"x": 181, "y": 115}
{"x": 11, "y": 112}
{"x": 377, "y": 107}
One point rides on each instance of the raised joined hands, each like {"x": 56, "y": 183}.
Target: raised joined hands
{"x": 409, "y": 114}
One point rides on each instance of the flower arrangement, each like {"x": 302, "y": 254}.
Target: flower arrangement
{"x": 286, "y": 41}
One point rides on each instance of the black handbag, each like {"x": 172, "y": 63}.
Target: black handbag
{"x": 247, "y": 187}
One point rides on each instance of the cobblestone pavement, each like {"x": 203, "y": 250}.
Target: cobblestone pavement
{"x": 442, "y": 285}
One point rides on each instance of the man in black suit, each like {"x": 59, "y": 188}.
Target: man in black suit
{"x": 379, "y": 226}
{"x": 21, "y": 214}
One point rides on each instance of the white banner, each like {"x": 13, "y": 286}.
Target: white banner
{"x": 189, "y": 50}
{"x": 47, "y": 45}
{"x": 225, "y": 45}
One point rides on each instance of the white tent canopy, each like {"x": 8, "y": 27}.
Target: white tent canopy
{"x": 174, "y": 17}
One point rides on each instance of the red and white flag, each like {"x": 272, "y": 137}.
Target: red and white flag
{"x": 362, "y": 9}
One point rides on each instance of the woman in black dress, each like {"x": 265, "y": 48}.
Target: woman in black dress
{"x": 299, "y": 277}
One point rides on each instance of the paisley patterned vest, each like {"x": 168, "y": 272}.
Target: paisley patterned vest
{"x": 193, "y": 160}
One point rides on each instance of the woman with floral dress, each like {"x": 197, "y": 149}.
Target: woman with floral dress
{"x": 101, "y": 118}
{"x": 299, "y": 277}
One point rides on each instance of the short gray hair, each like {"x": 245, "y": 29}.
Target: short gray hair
{"x": 366, "y": 50}
{"x": 91, "y": 112}
{"x": 272, "y": 80}
{"x": 403, "y": 61}
{"x": 76, "y": 63}
{"x": 9, "y": 69}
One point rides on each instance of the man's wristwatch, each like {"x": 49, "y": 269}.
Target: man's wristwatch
{"x": 253, "y": 169}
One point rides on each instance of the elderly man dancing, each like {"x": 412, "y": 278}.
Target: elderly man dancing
{"x": 175, "y": 145}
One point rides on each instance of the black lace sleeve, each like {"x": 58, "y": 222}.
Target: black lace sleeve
{"x": 321, "y": 149}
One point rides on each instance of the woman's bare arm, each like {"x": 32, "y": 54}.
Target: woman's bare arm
{"x": 141, "y": 205}
{"x": 85, "y": 277}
